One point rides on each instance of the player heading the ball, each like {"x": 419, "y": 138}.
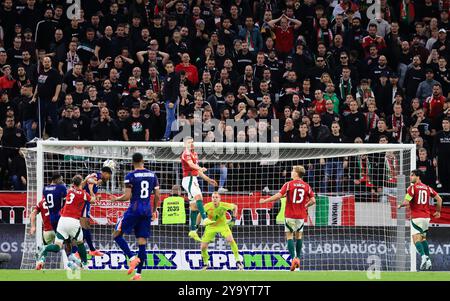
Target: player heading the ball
{"x": 139, "y": 184}
{"x": 96, "y": 179}
{"x": 418, "y": 197}
{"x": 69, "y": 226}
{"x": 299, "y": 196}
{"x": 191, "y": 169}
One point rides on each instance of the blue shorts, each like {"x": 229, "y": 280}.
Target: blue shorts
{"x": 140, "y": 223}
{"x": 86, "y": 210}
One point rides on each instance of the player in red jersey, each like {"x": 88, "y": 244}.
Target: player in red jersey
{"x": 69, "y": 224}
{"x": 48, "y": 233}
{"x": 191, "y": 169}
{"x": 418, "y": 197}
{"x": 299, "y": 196}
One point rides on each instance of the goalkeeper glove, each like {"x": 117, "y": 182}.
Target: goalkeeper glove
{"x": 232, "y": 222}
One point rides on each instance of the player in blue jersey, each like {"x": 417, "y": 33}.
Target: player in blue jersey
{"x": 139, "y": 184}
{"x": 97, "y": 179}
{"x": 54, "y": 195}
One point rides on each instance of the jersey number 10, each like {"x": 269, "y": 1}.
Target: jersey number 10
{"x": 422, "y": 199}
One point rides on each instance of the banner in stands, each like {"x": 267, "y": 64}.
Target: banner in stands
{"x": 13, "y": 207}
{"x": 336, "y": 211}
{"x": 260, "y": 249}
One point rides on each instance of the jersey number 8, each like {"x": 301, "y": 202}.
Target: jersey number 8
{"x": 144, "y": 189}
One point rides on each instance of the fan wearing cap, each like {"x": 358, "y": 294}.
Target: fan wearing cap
{"x": 442, "y": 44}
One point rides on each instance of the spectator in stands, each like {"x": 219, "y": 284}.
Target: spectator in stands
{"x": 441, "y": 153}
{"x": 47, "y": 94}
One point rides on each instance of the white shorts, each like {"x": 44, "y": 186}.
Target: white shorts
{"x": 68, "y": 228}
{"x": 420, "y": 225}
{"x": 293, "y": 225}
{"x": 48, "y": 237}
{"x": 190, "y": 185}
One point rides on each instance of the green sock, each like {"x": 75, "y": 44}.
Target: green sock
{"x": 82, "y": 252}
{"x": 205, "y": 256}
{"x": 50, "y": 248}
{"x": 298, "y": 247}
{"x": 193, "y": 215}
{"x": 426, "y": 250}
{"x": 200, "y": 208}
{"x": 419, "y": 248}
{"x": 234, "y": 248}
{"x": 290, "y": 244}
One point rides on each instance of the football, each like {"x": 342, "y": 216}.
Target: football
{"x": 110, "y": 163}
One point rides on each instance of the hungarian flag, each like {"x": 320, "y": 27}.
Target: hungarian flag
{"x": 333, "y": 211}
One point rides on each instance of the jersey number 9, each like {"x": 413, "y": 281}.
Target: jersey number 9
{"x": 50, "y": 202}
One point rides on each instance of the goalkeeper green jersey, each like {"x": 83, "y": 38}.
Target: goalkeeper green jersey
{"x": 219, "y": 213}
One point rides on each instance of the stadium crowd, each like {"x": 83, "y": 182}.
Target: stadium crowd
{"x": 138, "y": 70}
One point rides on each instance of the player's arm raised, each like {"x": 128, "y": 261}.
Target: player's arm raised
{"x": 206, "y": 178}
{"x": 201, "y": 171}
{"x": 273, "y": 198}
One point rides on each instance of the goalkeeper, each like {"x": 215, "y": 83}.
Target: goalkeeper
{"x": 216, "y": 211}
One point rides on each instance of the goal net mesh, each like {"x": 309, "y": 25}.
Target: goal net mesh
{"x": 354, "y": 224}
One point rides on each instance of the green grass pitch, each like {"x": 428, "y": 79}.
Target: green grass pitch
{"x": 59, "y": 275}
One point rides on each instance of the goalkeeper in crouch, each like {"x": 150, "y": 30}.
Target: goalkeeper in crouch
{"x": 216, "y": 211}
{"x": 299, "y": 196}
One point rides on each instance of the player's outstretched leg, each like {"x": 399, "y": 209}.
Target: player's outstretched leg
{"x": 193, "y": 223}
{"x": 122, "y": 243}
{"x": 48, "y": 248}
{"x": 426, "y": 250}
{"x": 142, "y": 254}
{"x": 199, "y": 202}
{"x": 205, "y": 255}
{"x": 88, "y": 237}
{"x": 235, "y": 250}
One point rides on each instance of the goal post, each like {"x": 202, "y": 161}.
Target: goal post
{"x": 357, "y": 187}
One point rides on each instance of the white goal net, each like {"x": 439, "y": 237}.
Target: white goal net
{"x": 354, "y": 224}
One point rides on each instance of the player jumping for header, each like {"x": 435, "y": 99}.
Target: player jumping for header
{"x": 418, "y": 197}
{"x": 299, "y": 196}
{"x": 97, "y": 179}
{"x": 69, "y": 223}
{"x": 139, "y": 184}
{"x": 191, "y": 169}
{"x": 216, "y": 211}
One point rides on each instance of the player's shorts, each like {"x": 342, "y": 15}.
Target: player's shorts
{"x": 210, "y": 233}
{"x": 68, "y": 227}
{"x": 133, "y": 221}
{"x": 190, "y": 185}
{"x": 48, "y": 237}
{"x": 420, "y": 225}
{"x": 293, "y": 225}
{"x": 86, "y": 210}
